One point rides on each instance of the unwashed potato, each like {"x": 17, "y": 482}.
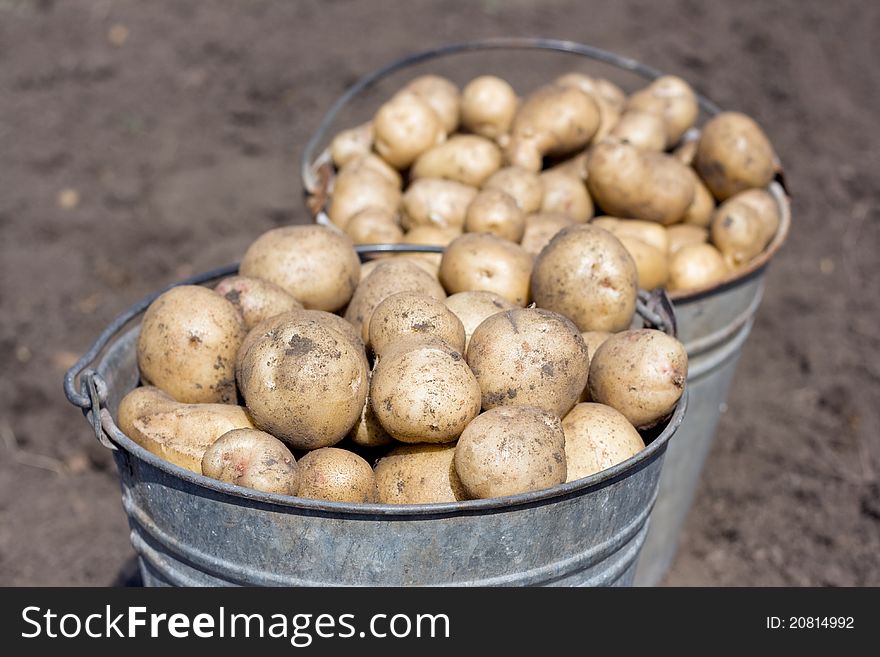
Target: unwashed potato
{"x": 423, "y": 391}
{"x": 336, "y": 475}
{"x": 404, "y": 128}
{"x": 494, "y": 211}
{"x": 418, "y": 474}
{"x": 648, "y": 231}
{"x": 428, "y": 235}
{"x": 586, "y": 274}
{"x": 418, "y": 259}
{"x": 480, "y": 261}
{"x": 368, "y": 431}
{"x": 765, "y": 206}
{"x": 255, "y": 298}
{"x": 541, "y": 228}
{"x": 733, "y": 155}
{"x": 362, "y": 185}
{"x": 510, "y": 450}
{"x": 142, "y": 401}
{"x": 641, "y": 129}
{"x": 268, "y": 326}
{"x": 565, "y": 194}
{"x": 488, "y": 105}
{"x": 672, "y": 99}
{"x": 374, "y": 226}
{"x": 436, "y": 202}
{"x": 351, "y": 143}
{"x": 468, "y": 159}
{"x": 187, "y": 344}
{"x": 738, "y": 232}
{"x": 374, "y": 163}
{"x": 316, "y": 264}
{"x": 529, "y": 357}
{"x": 389, "y": 277}
{"x": 413, "y": 313}
{"x": 696, "y": 265}
{"x": 628, "y": 182}
{"x": 699, "y": 212}
{"x": 443, "y": 97}
{"x": 641, "y": 373}
{"x": 474, "y": 306}
{"x": 524, "y": 186}
{"x": 554, "y": 120}
{"x": 596, "y": 438}
{"x": 652, "y": 264}
{"x": 253, "y": 459}
{"x": 608, "y": 96}
{"x": 304, "y": 382}
{"x": 681, "y": 235}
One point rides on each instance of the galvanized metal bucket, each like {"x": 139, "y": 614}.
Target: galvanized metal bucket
{"x": 191, "y": 530}
{"x": 714, "y": 323}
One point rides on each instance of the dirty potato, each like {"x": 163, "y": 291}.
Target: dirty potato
{"x": 413, "y": 313}
{"x": 255, "y": 298}
{"x": 418, "y": 474}
{"x": 596, "y": 438}
{"x": 480, "y": 261}
{"x": 253, "y": 459}
{"x": 474, "y": 306}
{"x": 336, "y": 475}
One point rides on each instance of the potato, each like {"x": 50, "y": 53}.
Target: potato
{"x": 596, "y": 438}
{"x": 429, "y": 235}
{"x": 267, "y": 327}
{"x": 738, "y": 232}
{"x": 361, "y": 186}
{"x": 541, "y": 228}
{"x": 423, "y": 391}
{"x": 673, "y": 100}
{"x": 529, "y": 357}
{"x": 368, "y": 431}
{"x": 473, "y": 306}
{"x": 641, "y": 373}
{"x": 443, "y": 97}
{"x": 467, "y": 159}
{"x": 586, "y": 274}
{"x": 565, "y": 194}
{"x": 253, "y": 459}
{"x": 404, "y": 128}
{"x": 390, "y": 276}
{"x": 524, "y": 186}
{"x": 418, "y": 474}
{"x": 488, "y": 105}
{"x": 374, "y": 164}
{"x": 699, "y": 212}
{"x": 336, "y": 475}
{"x": 733, "y": 155}
{"x": 351, "y": 143}
{"x": 627, "y": 182}
{"x": 187, "y": 344}
{"x": 652, "y": 264}
{"x": 554, "y": 120}
{"x": 766, "y": 208}
{"x": 643, "y": 130}
{"x": 681, "y": 235}
{"x": 436, "y": 202}
{"x": 575, "y": 166}
{"x": 374, "y": 226}
{"x": 609, "y": 92}
{"x": 694, "y": 266}
{"x": 511, "y": 450}
{"x": 479, "y": 261}
{"x": 648, "y": 231}
{"x": 255, "y": 299}
{"x": 315, "y": 264}
{"x": 304, "y": 382}
{"x": 496, "y": 212}
{"x": 141, "y": 401}
{"x": 413, "y": 313}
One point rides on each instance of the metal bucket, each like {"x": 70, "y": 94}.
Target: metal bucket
{"x": 713, "y": 323}
{"x": 191, "y": 530}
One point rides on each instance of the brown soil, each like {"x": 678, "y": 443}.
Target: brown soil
{"x": 142, "y": 142}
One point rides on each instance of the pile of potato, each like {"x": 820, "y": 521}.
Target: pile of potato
{"x": 436, "y": 162}
{"x": 405, "y": 380}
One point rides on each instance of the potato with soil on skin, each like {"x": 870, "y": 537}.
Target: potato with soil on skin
{"x": 699, "y": 212}
{"x": 738, "y": 232}
{"x": 360, "y": 185}
{"x": 641, "y": 373}
{"x": 187, "y": 344}
{"x": 352, "y": 143}
{"x": 734, "y": 154}
{"x": 141, "y": 401}
{"x": 304, "y": 382}
{"x": 510, "y": 450}
{"x": 565, "y": 194}
{"x": 696, "y": 265}
{"x": 652, "y": 264}
{"x": 368, "y": 431}
{"x": 586, "y": 274}
{"x": 429, "y": 236}
{"x": 418, "y": 474}
{"x": 681, "y": 235}
{"x": 316, "y": 265}
{"x": 255, "y": 298}
{"x": 404, "y": 128}
{"x": 480, "y": 261}
{"x": 336, "y": 475}
{"x": 474, "y": 306}
{"x": 488, "y": 105}
{"x": 542, "y": 227}
{"x": 648, "y": 231}
{"x": 608, "y": 96}
{"x": 442, "y": 95}
{"x": 253, "y": 459}
{"x": 412, "y": 313}
{"x": 374, "y": 226}
{"x": 524, "y": 186}
{"x": 643, "y": 130}
{"x": 267, "y": 328}
{"x": 597, "y": 437}
{"x": 627, "y": 182}
{"x": 390, "y": 276}
{"x": 764, "y": 205}
{"x": 423, "y": 391}
{"x": 529, "y": 357}
{"x": 496, "y": 212}
{"x": 467, "y": 159}
{"x": 673, "y": 100}
{"x": 436, "y": 202}
{"x": 554, "y": 120}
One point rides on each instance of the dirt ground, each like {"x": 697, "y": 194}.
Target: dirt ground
{"x": 143, "y": 142}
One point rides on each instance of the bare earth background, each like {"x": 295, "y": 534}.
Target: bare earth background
{"x": 178, "y": 126}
